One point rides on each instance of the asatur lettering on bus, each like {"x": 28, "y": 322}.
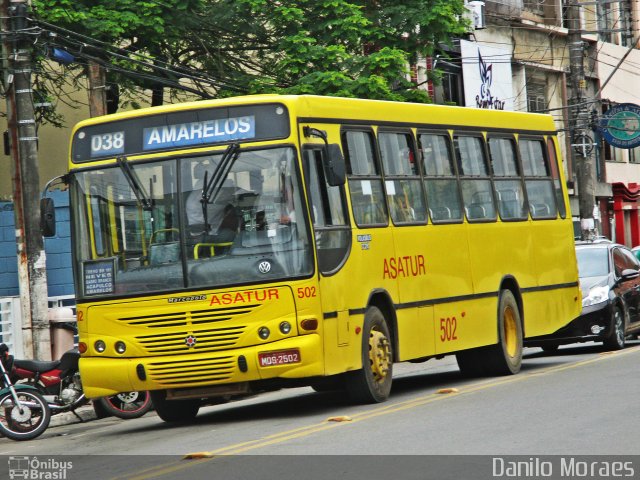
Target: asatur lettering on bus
{"x": 407, "y": 266}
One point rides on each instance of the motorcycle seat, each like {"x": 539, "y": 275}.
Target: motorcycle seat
{"x": 36, "y": 365}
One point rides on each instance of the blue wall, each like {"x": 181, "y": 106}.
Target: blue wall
{"x": 58, "y": 250}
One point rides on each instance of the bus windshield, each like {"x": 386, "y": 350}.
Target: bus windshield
{"x": 202, "y": 221}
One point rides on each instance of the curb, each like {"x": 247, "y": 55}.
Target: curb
{"x": 85, "y": 412}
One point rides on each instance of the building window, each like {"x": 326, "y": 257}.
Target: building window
{"x": 534, "y": 6}
{"x": 634, "y": 155}
{"x": 536, "y": 98}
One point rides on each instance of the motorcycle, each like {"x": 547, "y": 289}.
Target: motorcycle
{"x": 24, "y": 413}
{"x": 59, "y": 382}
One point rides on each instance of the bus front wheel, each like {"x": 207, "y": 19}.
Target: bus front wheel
{"x": 174, "y": 411}
{"x": 372, "y": 383}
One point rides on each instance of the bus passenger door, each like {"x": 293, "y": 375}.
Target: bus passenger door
{"x": 332, "y": 237}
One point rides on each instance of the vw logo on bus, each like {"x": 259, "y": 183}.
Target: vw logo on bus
{"x": 264, "y": 267}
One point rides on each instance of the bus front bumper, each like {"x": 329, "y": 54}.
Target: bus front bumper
{"x": 106, "y": 376}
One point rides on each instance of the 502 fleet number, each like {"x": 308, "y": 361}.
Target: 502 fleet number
{"x": 448, "y": 329}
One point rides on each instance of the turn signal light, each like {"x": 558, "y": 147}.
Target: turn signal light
{"x": 309, "y": 324}
{"x": 82, "y": 347}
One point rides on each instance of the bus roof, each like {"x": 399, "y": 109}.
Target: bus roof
{"x": 315, "y": 108}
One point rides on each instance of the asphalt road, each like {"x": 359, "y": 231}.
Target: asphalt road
{"x": 580, "y": 401}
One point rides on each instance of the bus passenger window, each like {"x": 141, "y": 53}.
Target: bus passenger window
{"x": 538, "y": 182}
{"x": 506, "y": 179}
{"x": 477, "y": 191}
{"x": 440, "y": 183}
{"x": 404, "y": 192}
{"x": 553, "y": 162}
{"x": 365, "y": 182}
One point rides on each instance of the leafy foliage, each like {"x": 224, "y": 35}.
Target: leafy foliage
{"x": 352, "y": 48}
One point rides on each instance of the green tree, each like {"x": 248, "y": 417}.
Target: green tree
{"x": 353, "y": 48}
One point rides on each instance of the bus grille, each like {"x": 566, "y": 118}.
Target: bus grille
{"x": 192, "y": 341}
{"x": 183, "y": 319}
{"x": 183, "y": 372}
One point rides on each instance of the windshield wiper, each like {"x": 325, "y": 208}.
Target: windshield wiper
{"x": 135, "y": 184}
{"x": 212, "y": 186}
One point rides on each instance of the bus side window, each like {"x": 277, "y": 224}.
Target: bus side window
{"x": 477, "y": 191}
{"x": 365, "y": 182}
{"x": 507, "y": 179}
{"x": 553, "y": 162}
{"x": 440, "y": 183}
{"x": 327, "y": 208}
{"x": 538, "y": 181}
{"x": 402, "y": 178}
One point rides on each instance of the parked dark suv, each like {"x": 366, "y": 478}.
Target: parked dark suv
{"x": 610, "y": 282}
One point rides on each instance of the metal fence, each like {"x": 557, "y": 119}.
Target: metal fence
{"x": 11, "y": 320}
{"x": 10, "y": 325}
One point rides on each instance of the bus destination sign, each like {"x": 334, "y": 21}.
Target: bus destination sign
{"x": 199, "y": 133}
{"x": 180, "y": 129}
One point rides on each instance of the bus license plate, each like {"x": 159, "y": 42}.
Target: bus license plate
{"x": 283, "y": 357}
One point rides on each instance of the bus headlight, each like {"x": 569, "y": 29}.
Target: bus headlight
{"x": 100, "y": 346}
{"x": 121, "y": 347}
{"x": 264, "y": 333}
{"x": 596, "y": 295}
{"x": 285, "y": 328}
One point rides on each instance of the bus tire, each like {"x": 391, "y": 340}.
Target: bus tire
{"x": 470, "y": 362}
{"x": 372, "y": 383}
{"x": 505, "y": 358}
{"x": 174, "y": 411}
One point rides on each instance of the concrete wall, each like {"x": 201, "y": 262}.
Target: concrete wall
{"x": 58, "y": 250}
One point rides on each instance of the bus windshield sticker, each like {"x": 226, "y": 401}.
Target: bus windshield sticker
{"x": 98, "y": 276}
{"x": 199, "y": 133}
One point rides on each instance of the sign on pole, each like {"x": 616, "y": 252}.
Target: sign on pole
{"x": 620, "y": 126}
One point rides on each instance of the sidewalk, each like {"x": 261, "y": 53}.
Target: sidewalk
{"x": 85, "y": 412}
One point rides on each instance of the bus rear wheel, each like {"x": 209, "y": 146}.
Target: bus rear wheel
{"x": 505, "y": 357}
{"x": 372, "y": 383}
{"x": 174, "y": 411}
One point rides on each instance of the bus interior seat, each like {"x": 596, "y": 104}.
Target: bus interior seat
{"x": 440, "y": 213}
{"x": 160, "y": 253}
{"x": 475, "y": 211}
{"x": 164, "y": 246}
{"x": 540, "y": 210}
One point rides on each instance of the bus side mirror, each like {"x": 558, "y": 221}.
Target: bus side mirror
{"x": 47, "y": 217}
{"x": 334, "y": 167}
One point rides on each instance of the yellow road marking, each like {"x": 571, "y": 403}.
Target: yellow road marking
{"x": 307, "y": 430}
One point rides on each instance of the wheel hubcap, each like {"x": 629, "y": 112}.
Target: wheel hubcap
{"x": 128, "y": 397}
{"x": 379, "y": 355}
{"x": 619, "y": 328}
{"x": 510, "y": 332}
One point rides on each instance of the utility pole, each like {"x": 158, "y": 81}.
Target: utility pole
{"x": 97, "y": 89}
{"x": 579, "y": 120}
{"x": 23, "y": 142}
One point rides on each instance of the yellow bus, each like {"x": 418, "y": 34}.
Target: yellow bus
{"x": 233, "y": 246}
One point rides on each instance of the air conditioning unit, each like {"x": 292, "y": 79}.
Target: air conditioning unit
{"x": 475, "y": 13}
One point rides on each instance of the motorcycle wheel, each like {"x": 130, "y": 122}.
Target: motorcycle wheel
{"x": 27, "y": 424}
{"x": 126, "y": 405}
